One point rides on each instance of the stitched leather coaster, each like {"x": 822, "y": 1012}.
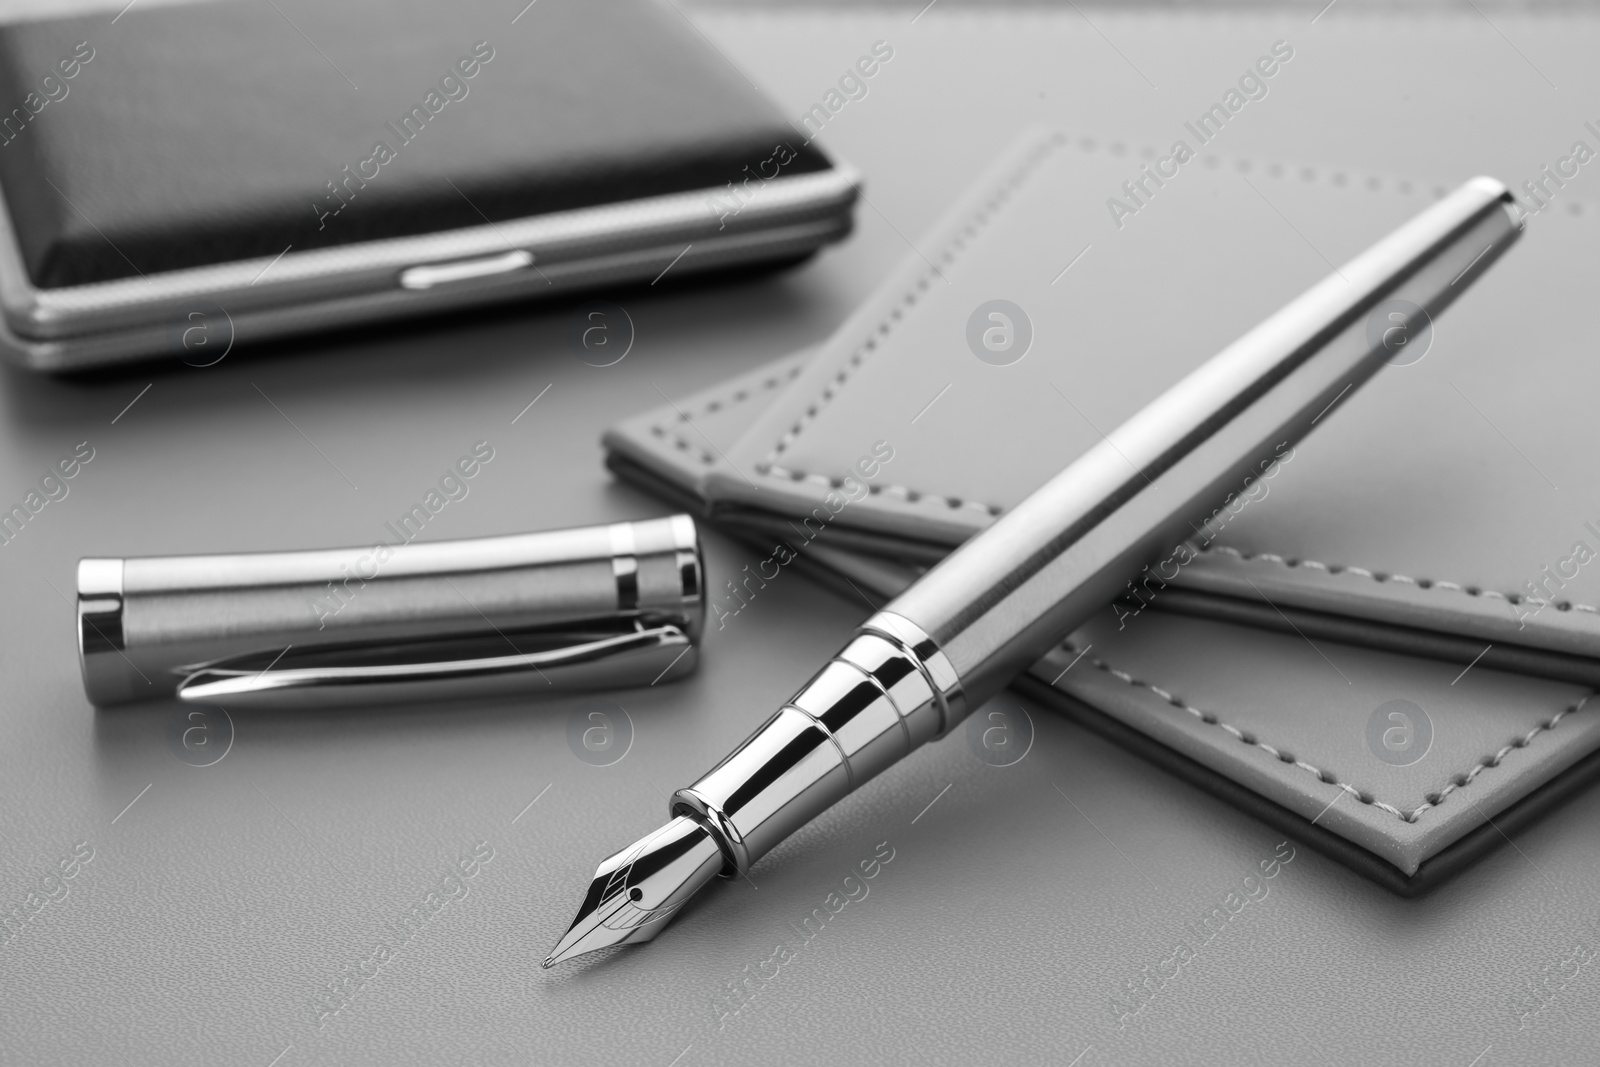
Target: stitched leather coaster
{"x": 1430, "y": 501}
{"x": 1402, "y": 747}
{"x": 1263, "y": 720}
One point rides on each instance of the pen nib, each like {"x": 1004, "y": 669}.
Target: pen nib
{"x": 637, "y": 890}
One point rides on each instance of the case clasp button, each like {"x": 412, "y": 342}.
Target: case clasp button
{"x": 431, "y": 274}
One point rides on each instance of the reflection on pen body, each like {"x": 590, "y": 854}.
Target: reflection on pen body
{"x": 991, "y": 608}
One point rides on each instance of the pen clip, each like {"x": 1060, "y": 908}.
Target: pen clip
{"x": 479, "y": 665}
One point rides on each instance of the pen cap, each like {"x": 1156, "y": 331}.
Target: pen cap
{"x": 590, "y": 607}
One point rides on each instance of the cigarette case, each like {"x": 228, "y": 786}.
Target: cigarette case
{"x": 177, "y": 180}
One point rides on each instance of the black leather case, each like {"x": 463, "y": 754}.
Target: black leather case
{"x": 192, "y": 137}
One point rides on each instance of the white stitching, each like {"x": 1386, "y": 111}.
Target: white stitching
{"x": 905, "y": 493}
{"x": 686, "y": 444}
{"x": 1245, "y": 557}
{"x": 1432, "y": 800}
{"x": 947, "y": 256}
{"x": 738, "y": 396}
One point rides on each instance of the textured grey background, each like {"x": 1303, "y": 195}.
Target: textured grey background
{"x": 1017, "y": 906}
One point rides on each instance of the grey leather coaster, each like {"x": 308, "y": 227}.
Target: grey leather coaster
{"x": 1413, "y": 692}
{"x": 1430, "y": 502}
{"x": 1281, "y": 728}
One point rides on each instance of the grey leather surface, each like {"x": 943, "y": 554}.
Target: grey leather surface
{"x": 1016, "y": 922}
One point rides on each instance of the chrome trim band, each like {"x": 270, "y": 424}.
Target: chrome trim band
{"x": 930, "y": 659}
{"x": 102, "y": 638}
{"x": 625, "y": 565}
{"x": 687, "y": 801}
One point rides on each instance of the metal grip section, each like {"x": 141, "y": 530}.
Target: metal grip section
{"x": 787, "y": 772}
{"x": 864, "y": 711}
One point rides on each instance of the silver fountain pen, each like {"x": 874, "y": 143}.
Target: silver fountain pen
{"x": 994, "y": 606}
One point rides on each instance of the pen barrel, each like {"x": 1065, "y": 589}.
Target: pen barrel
{"x": 886, "y": 693}
{"x": 148, "y": 624}
{"x": 990, "y": 609}
{"x": 1018, "y": 588}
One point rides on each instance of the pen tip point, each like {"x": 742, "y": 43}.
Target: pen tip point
{"x": 636, "y": 891}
